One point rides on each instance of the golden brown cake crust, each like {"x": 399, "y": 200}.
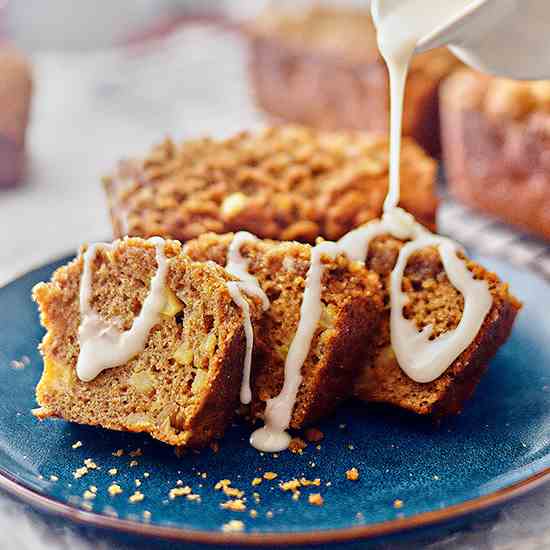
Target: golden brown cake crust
{"x": 183, "y": 387}
{"x": 351, "y": 310}
{"x": 285, "y": 183}
{"x": 322, "y": 68}
{"x": 433, "y": 300}
{"x": 496, "y": 136}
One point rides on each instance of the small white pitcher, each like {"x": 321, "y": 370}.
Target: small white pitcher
{"x": 508, "y": 38}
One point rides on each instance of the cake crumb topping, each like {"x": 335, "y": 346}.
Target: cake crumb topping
{"x": 307, "y": 482}
{"x": 90, "y": 464}
{"x": 224, "y": 485}
{"x": 221, "y": 484}
{"x": 352, "y": 474}
{"x": 297, "y": 445}
{"x": 80, "y": 472}
{"x": 292, "y": 485}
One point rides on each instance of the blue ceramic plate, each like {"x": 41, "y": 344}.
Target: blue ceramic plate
{"x": 499, "y": 447}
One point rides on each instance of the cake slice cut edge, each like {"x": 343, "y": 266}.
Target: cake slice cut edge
{"x": 183, "y": 387}
{"x": 433, "y": 300}
{"x": 351, "y": 309}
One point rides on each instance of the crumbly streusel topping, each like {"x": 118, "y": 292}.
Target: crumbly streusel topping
{"x": 287, "y": 183}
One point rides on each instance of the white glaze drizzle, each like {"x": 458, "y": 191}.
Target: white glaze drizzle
{"x": 272, "y": 437}
{"x": 102, "y": 344}
{"x": 420, "y": 358}
{"x": 237, "y": 265}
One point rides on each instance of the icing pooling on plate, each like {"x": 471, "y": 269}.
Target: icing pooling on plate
{"x": 237, "y": 265}
{"x": 102, "y": 344}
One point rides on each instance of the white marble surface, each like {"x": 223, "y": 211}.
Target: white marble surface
{"x": 89, "y": 110}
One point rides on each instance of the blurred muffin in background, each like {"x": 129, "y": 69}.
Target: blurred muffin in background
{"x": 496, "y": 146}
{"x": 15, "y": 100}
{"x": 321, "y": 67}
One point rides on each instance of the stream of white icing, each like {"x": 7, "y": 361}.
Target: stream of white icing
{"x": 422, "y": 359}
{"x": 400, "y": 26}
{"x": 237, "y": 265}
{"x": 102, "y": 344}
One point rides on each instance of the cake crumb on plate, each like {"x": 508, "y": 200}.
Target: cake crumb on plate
{"x": 233, "y": 526}
{"x": 316, "y": 499}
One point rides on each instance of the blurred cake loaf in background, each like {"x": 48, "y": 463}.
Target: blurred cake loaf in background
{"x": 285, "y": 183}
{"x": 15, "y": 100}
{"x": 322, "y": 67}
{"x": 496, "y": 146}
